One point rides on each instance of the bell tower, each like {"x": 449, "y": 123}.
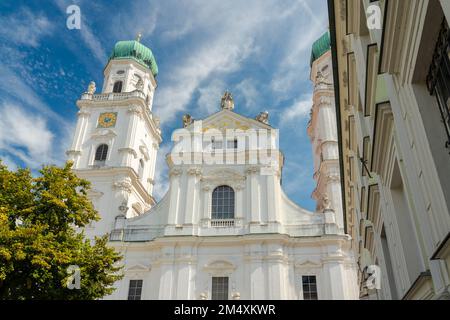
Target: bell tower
{"x": 117, "y": 137}
{"x": 322, "y": 130}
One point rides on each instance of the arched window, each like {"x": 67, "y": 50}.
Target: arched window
{"x": 117, "y": 87}
{"x": 100, "y": 154}
{"x": 223, "y": 203}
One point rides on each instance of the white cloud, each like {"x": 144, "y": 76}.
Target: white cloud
{"x": 25, "y": 135}
{"x": 12, "y": 84}
{"x": 249, "y": 92}
{"x": 9, "y": 162}
{"x": 300, "y": 109}
{"x": 209, "y": 96}
{"x": 231, "y": 32}
{"x": 25, "y": 28}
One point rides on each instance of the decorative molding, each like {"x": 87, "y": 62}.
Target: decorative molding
{"x": 175, "y": 172}
{"x": 73, "y": 152}
{"x": 129, "y": 150}
{"x": 252, "y": 170}
{"x": 124, "y": 185}
{"x": 219, "y": 267}
{"x": 194, "y": 171}
{"x": 94, "y": 194}
{"x": 102, "y": 133}
{"x": 135, "y": 110}
{"x": 83, "y": 113}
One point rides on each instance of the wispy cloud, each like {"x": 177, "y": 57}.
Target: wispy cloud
{"x": 209, "y": 96}
{"x": 25, "y": 28}
{"x": 300, "y": 109}
{"x": 89, "y": 37}
{"x": 247, "y": 89}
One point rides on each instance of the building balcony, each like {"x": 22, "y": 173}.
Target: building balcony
{"x": 113, "y": 96}
{"x": 222, "y": 223}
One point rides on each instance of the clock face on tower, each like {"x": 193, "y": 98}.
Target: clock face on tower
{"x": 107, "y": 119}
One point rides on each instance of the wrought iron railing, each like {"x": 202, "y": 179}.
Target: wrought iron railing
{"x": 438, "y": 79}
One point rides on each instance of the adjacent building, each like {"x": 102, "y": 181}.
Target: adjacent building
{"x": 392, "y": 86}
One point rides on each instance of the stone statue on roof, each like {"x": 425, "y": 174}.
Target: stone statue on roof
{"x": 227, "y": 101}
{"x": 263, "y": 117}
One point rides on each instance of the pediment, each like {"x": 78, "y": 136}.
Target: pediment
{"x": 101, "y": 133}
{"x": 219, "y": 265}
{"x": 138, "y": 267}
{"x": 227, "y": 119}
{"x": 307, "y": 264}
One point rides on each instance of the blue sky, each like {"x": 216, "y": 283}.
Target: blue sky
{"x": 257, "y": 49}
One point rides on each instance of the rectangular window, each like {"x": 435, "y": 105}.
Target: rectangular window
{"x": 309, "y": 288}
{"x": 219, "y": 289}
{"x": 135, "y": 290}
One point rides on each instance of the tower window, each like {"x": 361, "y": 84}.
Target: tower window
{"x": 309, "y": 288}
{"x": 219, "y": 290}
{"x": 117, "y": 87}
{"x": 100, "y": 154}
{"x": 223, "y": 203}
{"x": 135, "y": 290}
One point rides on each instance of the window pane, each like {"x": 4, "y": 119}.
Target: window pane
{"x": 101, "y": 152}
{"x": 219, "y": 289}
{"x": 223, "y": 203}
{"x": 135, "y": 290}
{"x": 309, "y": 288}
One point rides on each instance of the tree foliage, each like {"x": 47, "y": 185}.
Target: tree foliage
{"x": 41, "y": 221}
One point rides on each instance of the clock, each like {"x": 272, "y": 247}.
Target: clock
{"x": 107, "y": 119}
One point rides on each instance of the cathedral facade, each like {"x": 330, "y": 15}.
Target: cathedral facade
{"x": 225, "y": 228}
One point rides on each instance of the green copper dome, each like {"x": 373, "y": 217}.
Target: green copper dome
{"x": 320, "y": 46}
{"x": 135, "y": 50}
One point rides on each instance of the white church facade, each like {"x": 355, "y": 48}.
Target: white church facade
{"x": 225, "y": 229}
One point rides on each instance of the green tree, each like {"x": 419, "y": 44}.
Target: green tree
{"x": 41, "y": 221}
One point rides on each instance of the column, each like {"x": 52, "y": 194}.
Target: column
{"x": 174, "y": 190}
{"x": 75, "y": 152}
{"x": 191, "y": 196}
{"x": 135, "y": 115}
{"x": 254, "y": 195}
{"x": 206, "y": 214}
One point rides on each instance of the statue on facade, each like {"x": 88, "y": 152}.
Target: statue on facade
{"x": 263, "y": 117}
{"x": 91, "y": 87}
{"x": 187, "y": 120}
{"x": 227, "y": 101}
{"x": 140, "y": 85}
{"x": 326, "y": 203}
